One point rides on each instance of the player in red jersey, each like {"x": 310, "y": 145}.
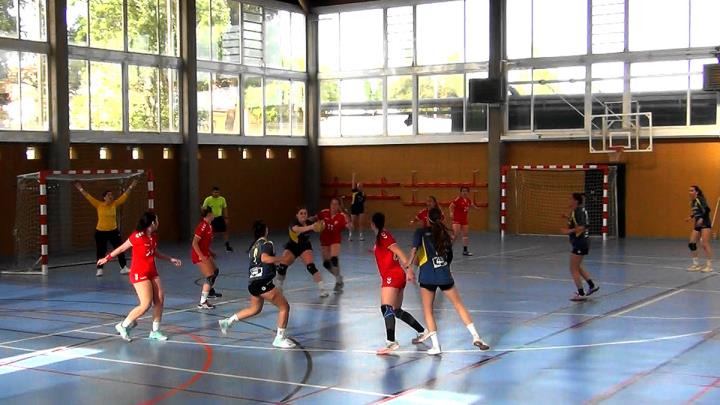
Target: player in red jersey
{"x": 204, "y": 257}
{"x": 330, "y": 238}
{"x": 421, "y": 219}
{"x": 391, "y": 262}
{"x": 459, "y": 208}
{"x": 143, "y": 275}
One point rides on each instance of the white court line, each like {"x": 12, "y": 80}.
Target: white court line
{"x": 644, "y": 304}
{"x": 656, "y": 287}
{"x": 502, "y": 253}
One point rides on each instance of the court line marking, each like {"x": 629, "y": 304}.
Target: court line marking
{"x": 652, "y": 301}
{"x": 657, "y": 287}
{"x": 501, "y": 253}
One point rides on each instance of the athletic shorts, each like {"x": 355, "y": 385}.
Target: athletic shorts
{"x": 334, "y": 238}
{"x": 462, "y": 221}
{"x": 259, "y": 287}
{"x": 434, "y": 287}
{"x": 136, "y": 277}
{"x": 705, "y": 225}
{"x": 357, "y": 210}
{"x": 218, "y": 225}
{"x": 297, "y": 249}
{"x": 394, "y": 278}
{"x": 580, "y": 247}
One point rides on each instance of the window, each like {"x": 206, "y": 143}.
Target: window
{"x": 559, "y": 27}
{"x": 658, "y": 24}
{"x": 226, "y": 104}
{"x": 253, "y": 106}
{"x": 608, "y": 26}
{"x": 703, "y": 23}
{"x": 246, "y": 153}
{"x": 204, "y": 102}
{"x": 269, "y": 154}
{"x": 222, "y": 154}
{"x": 477, "y": 30}
{"x": 297, "y": 28}
{"x": 292, "y": 154}
{"x": 400, "y": 36}
{"x": 440, "y": 103}
{"x": 298, "y": 108}
{"x": 137, "y": 153}
{"x": 23, "y": 91}
{"x": 361, "y": 107}
{"x": 607, "y": 88}
{"x": 559, "y": 97}
{"x": 277, "y": 107}
{"x": 168, "y": 153}
{"x": 519, "y": 99}
{"x": 440, "y": 35}
{"x": 153, "y": 99}
{"x": 661, "y": 88}
{"x": 218, "y": 30}
{"x": 476, "y": 114}
{"x": 364, "y": 51}
{"x": 25, "y": 20}
{"x": 72, "y": 153}
{"x": 278, "y": 43}
{"x": 330, "y": 108}
{"x": 399, "y": 106}
{"x": 95, "y": 95}
{"x": 329, "y": 42}
{"x": 32, "y": 153}
{"x": 252, "y": 28}
{"x": 519, "y": 29}
{"x": 105, "y": 153}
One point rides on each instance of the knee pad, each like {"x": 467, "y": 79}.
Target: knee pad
{"x": 282, "y": 269}
{"x": 387, "y": 311}
{"x": 326, "y": 264}
{"x": 335, "y": 262}
{"x": 312, "y": 269}
{"x": 692, "y": 246}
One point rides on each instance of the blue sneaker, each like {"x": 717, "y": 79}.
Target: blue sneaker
{"x": 123, "y": 331}
{"x": 157, "y": 335}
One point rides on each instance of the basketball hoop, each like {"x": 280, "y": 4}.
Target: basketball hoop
{"x": 617, "y": 154}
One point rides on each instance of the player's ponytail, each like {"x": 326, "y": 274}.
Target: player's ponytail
{"x": 440, "y": 235}
{"x": 147, "y": 219}
{"x": 378, "y": 219}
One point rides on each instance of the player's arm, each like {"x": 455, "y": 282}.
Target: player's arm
{"x": 87, "y": 195}
{"x": 196, "y": 248}
{"x": 301, "y": 229}
{"x": 125, "y": 246}
{"x": 171, "y": 259}
{"x": 226, "y": 217}
{"x": 452, "y": 209}
{"x": 267, "y": 257}
{"x": 404, "y": 262}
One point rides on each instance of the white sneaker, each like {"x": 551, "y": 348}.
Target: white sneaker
{"x": 125, "y": 270}
{"x": 389, "y": 347}
{"x": 324, "y": 293}
{"x": 423, "y": 336}
{"x": 283, "y": 343}
{"x": 707, "y": 269}
{"x": 362, "y": 238}
{"x": 694, "y": 267}
{"x": 99, "y": 273}
{"x": 434, "y": 351}
{"x": 123, "y": 332}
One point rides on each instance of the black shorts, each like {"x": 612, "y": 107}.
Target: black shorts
{"x": 434, "y": 287}
{"x": 297, "y": 249}
{"x": 260, "y": 287}
{"x": 357, "y": 210}
{"x": 705, "y": 225}
{"x": 218, "y": 225}
{"x": 580, "y": 247}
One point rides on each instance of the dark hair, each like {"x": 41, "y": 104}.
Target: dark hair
{"x": 440, "y": 234}
{"x": 698, "y": 191}
{"x": 432, "y": 197}
{"x": 259, "y": 228}
{"x": 106, "y": 192}
{"x": 378, "y": 219}
{"x": 300, "y": 207}
{"x": 205, "y": 211}
{"x": 333, "y": 199}
{"x": 215, "y": 188}
{"x": 145, "y": 221}
{"x": 464, "y": 188}
{"x": 579, "y": 197}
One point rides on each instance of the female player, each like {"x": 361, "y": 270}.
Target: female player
{"x": 261, "y": 287}
{"x": 299, "y": 245}
{"x": 391, "y": 261}
{"x": 422, "y": 217}
{"x": 106, "y": 229}
{"x": 577, "y": 231}
{"x": 357, "y": 208}
{"x": 143, "y": 275}
{"x": 702, "y": 230}
{"x": 459, "y": 208}
{"x": 433, "y": 247}
{"x": 204, "y": 257}
{"x": 330, "y": 238}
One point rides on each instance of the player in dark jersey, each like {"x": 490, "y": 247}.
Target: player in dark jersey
{"x": 204, "y": 257}
{"x": 300, "y": 229}
{"x": 260, "y": 285}
{"x": 331, "y": 237}
{"x": 433, "y": 247}
{"x": 392, "y": 262}
{"x": 702, "y": 230}
{"x": 357, "y": 209}
{"x": 577, "y": 230}
{"x": 143, "y": 275}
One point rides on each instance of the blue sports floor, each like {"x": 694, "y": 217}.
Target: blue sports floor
{"x": 650, "y": 335}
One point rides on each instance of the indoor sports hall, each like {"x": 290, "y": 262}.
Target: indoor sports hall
{"x": 359, "y": 202}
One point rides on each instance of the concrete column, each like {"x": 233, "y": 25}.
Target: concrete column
{"x": 189, "y": 171}
{"x": 496, "y": 112}
{"x": 312, "y": 153}
{"x": 59, "y": 153}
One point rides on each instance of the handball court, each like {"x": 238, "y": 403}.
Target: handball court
{"x": 650, "y": 335}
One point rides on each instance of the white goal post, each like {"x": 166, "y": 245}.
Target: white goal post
{"x": 53, "y": 220}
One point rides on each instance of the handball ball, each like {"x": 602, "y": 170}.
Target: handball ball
{"x": 319, "y": 226}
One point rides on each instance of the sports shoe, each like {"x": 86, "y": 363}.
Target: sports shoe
{"x": 205, "y": 305}
{"x": 224, "y": 326}
{"x": 388, "y": 348}
{"x": 480, "y": 344}
{"x": 324, "y": 293}
{"x": 578, "y": 298}
{"x": 707, "y": 269}
{"x": 434, "y": 351}
{"x": 593, "y": 290}
{"x": 157, "y": 335}
{"x": 422, "y": 336}
{"x": 123, "y": 332}
{"x": 350, "y": 237}
{"x": 124, "y": 270}
{"x": 694, "y": 267}
{"x": 467, "y": 253}
{"x": 214, "y": 294}
{"x": 99, "y": 273}
{"x": 228, "y": 248}
{"x": 339, "y": 284}
{"x": 362, "y": 238}
{"x": 283, "y": 343}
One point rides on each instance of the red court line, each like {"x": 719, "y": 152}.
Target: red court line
{"x": 191, "y": 380}
{"x": 701, "y": 393}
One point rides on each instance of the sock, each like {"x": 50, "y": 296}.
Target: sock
{"x": 227, "y": 244}
{"x": 590, "y": 284}
{"x": 280, "y": 333}
{"x": 471, "y": 327}
{"x": 232, "y": 319}
{"x": 435, "y": 341}
{"x": 389, "y": 317}
{"x": 696, "y": 261}
{"x": 156, "y": 326}
{"x": 321, "y": 285}
{"x": 204, "y": 296}
{"x": 409, "y": 319}
{"x": 126, "y": 323}
{"x": 581, "y": 292}
{"x": 464, "y": 248}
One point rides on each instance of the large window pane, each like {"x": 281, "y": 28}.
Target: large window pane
{"x": 10, "y": 102}
{"x": 277, "y": 107}
{"x": 361, "y": 40}
{"x": 399, "y": 109}
{"x": 142, "y": 26}
{"x": 106, "y": 24}
{"x": 440, "y": 103}
{"x": 226, "y": 104}
{"x": 253, "y": 106}
{"x": 32, "y": 20}
{"x": 77, "y": 22}
{"x": 225, "y": 30}
{"x": 477, "y": 113}
{"x": 330, "y": 108}
{"x": 519, "y": 99}
{"x": 559, "y": 97}
{"x": 329, "y": 42}
{"x": 252, "y": 45}
{"x": 440, "y": 33}
{"x": 297, "y": 27}
{"x": 661, "y": 88}
{"x": 477, "y": 30}
{"x": 278, "y": 53}
{"x": 559, "y": 27}
{"x": 607, "y": 88}
{"x": 703, "y": 104}
{"x": 168, "y": 30}
{"x": 143, "y": 98}
{"x": 204, "y": 102}
{"x": 106, "y": 96}
{"x": 202, "y": 28}
{"x": 8, "y": 19}
{"x": 659, "y": 24}
{"x": 79, "y": 86}
{"x": 169, "y": 100}
{"x": 361, "y": 107}
{"x": 519, "y": 28}
{"x": 608, "y": 30}
{"x": 34, "y": 97}
{"x": 704, "y": 23}
{"x": 400, "y": 38}
{"x": 298, "y": 109}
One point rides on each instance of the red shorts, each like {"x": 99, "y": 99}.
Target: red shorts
{"x": 460, "y": 221}
{"x": 136, "y": 276}
{"x": 327, "y": 239}
{"x": 394, "y": 277}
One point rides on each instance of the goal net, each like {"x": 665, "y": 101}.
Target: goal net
{"x": 55, "y": 224}
{"x": 534, "y": 198}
